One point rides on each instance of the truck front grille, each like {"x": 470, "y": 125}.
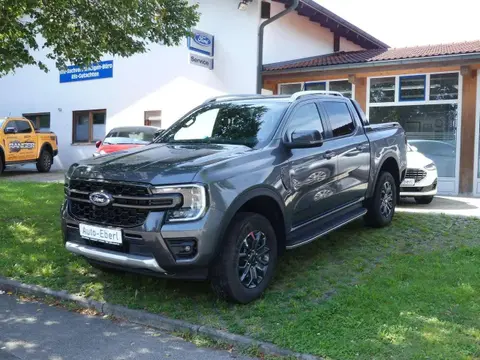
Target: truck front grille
{"x": 115, "y": 216}
{"x": 114, "y": 188}
{"x": 130, "y": 206}
{"x": 416, "y": 174}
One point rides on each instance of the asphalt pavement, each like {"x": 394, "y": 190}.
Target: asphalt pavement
{"x": 32, "y": 330}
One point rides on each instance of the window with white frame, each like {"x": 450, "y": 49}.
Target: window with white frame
{"x": 342, "y": 86}
{"x": 427, "y": 107}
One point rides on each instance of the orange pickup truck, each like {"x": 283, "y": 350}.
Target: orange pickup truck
{"x": 21, "y": 144}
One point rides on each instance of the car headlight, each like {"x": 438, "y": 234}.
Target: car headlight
{"x": 430, "y": 167}
{"x": 194, "y": 201}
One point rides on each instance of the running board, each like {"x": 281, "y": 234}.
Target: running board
{"x": 357, "y": 215}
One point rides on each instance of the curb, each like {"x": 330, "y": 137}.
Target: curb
{"x": 149, "y": 319}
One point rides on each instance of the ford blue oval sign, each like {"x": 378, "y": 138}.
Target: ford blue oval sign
{"x": 201, "y": 42}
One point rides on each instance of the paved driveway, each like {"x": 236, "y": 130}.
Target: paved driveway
{"x": 26, "y": 174}
{"x": 31, "y": 330}
{"x": 461, "y": 206}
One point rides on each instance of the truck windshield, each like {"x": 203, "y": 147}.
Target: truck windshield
{"x": 250, "y": 123}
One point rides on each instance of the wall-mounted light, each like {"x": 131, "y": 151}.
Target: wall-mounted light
{"x": 243, "y": 5}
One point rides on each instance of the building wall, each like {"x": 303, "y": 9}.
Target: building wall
{"x": 294, "y": 36}
{"x": 469, "y": 100}
{"x": 347, "y": 45}
{"x": 161, "y": 79}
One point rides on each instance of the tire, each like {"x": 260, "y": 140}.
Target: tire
{"x": 424, "y": 200}
{"x": 44, "y": 161}
{"x": 2, "y": 165}
{"x": 231, "y": 280}
{"x": 381, "y": 208}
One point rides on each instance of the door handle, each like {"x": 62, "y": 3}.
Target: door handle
{"x": 328, "y": 155}
{"x": 362, "y": 147}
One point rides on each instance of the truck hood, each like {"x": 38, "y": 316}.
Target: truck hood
{"x": 416, "y": 160}
{"x": 156, "y": 164}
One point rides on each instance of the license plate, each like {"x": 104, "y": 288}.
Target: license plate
{"x": 101, "y": 234}
{"x": 408, "y": 182}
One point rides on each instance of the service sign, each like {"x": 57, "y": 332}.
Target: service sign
{"x": 201, "y": 42}
{"x": 101, "y": 70}
{"x": 203, "y": 61}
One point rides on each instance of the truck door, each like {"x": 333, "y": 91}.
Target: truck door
{"x": 352, "y": 149}
{"x": 309, "y": 172}
{"x": 20, "y": 145}
{"x": 28, "y": 147}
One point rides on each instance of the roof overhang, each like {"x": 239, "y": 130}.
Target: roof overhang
{"x": 463, "y": 59}
{"x": 326, "y": 18}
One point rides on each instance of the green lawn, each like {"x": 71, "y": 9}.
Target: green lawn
{"x": 410, "y": 291}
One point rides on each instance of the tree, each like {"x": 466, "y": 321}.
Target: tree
{"x": 80, "y": 32}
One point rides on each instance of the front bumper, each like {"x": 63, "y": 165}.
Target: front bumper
{"x": 425, "y": 187}
{"x": 149, "y": 248}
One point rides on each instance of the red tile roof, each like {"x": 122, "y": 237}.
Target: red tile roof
{"x": 366, "y": 56}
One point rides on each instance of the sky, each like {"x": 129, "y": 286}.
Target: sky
{"x": 401, "y": 23}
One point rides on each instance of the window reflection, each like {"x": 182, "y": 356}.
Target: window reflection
{"x": 444, "y": 86}
{"x": 382, "y": 90}
{"x": 431, "y": 128}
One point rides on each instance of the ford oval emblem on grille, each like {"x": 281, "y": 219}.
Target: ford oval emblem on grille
{"x": 100, "y": 198}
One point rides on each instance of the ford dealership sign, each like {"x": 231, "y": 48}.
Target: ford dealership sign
{"x": 201, "y": 42}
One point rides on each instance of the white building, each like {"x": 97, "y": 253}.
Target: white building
{"x": 163, "y": 83}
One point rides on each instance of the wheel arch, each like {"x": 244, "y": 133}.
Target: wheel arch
{"x": 258, "y": 200}
{"x": 389, "y": 163}
{"x": 46, "y": 146}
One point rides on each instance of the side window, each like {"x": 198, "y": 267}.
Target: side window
{"x": 23, "y": 127}
{"x": 340, "y": 118}
{"x": 306, "y": 117}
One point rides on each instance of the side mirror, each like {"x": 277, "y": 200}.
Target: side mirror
{"x": 304, "y": 139}
{"x": 98, "y": 143}
{"x": 10, "y": 130}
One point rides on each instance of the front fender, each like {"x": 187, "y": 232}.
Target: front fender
{"x": 242, "y": 199}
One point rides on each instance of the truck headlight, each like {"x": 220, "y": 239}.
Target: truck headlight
{"x": 194, "y": 201}
{"x": 430, "y": 167}
{"x": 69, "y": 173}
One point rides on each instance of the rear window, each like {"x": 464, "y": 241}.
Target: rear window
{"x": 130, "y": 136}
{"x": 340, "y": 118}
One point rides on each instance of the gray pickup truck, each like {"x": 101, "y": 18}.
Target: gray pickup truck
{"x": 232, "y": 185}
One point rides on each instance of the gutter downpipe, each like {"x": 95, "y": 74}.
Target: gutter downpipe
{"x": 260, "y": 41}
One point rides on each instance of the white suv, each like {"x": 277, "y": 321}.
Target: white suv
{"x": 421, "y": 179}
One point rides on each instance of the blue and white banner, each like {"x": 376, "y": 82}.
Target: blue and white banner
{"x": 202, "y": 42}
{"x": 101, "y": 70}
